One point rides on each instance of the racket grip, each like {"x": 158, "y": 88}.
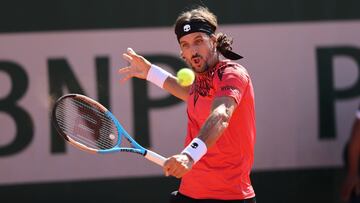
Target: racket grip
{"x": 154, "y": 157}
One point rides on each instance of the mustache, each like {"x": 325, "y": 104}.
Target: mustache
{"x": 195, "y": 56}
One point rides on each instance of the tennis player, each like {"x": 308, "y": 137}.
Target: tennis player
{"x": 219, "y": 146}
{"x": 351, "y": 187}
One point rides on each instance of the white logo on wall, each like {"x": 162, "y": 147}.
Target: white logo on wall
{"x": 187, "y": 28}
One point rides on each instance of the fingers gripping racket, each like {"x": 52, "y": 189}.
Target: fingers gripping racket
{"x": 88, "y": 125}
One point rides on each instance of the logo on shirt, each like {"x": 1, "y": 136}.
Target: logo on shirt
{"x": 194, "y": 145}
{"x": 231, "y": 88}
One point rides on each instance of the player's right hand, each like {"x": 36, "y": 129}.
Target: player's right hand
{"x": 138, "y": 66}
{"x": 178, "y": 165}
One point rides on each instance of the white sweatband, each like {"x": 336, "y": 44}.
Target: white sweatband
{"x": 157, "y": 75}
{"x": 358, "y": 114}
{"x": 196, "y": 149}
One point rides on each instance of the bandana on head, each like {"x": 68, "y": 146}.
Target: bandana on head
{"x": 193, "y": 26}
{"x": 202, "y": 26}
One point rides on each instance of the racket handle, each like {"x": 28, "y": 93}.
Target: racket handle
{"x": 154, "y": 157}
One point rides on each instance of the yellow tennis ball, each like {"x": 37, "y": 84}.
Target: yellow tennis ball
{"x": 185, "y": 76}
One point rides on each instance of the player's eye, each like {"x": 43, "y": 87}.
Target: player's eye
{"x": 185, "y": 45}
{"x": 199, "y": 41}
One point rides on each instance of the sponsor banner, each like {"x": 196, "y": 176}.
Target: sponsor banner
{"x": 305, "y": 75}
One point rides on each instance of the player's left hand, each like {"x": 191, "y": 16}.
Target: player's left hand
{"x": 138, "y": 66}
{"x": 178, "y": 165}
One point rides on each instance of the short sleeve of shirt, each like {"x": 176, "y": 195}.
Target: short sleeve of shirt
{"x": 231, "y": 80}
{"x": 358, "y": 113}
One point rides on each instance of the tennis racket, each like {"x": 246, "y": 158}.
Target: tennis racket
{"x": 89, "y": 126}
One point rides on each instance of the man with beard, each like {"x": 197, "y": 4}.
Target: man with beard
{"x": 218, "y": 156}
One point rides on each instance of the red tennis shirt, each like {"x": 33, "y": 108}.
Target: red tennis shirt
{"x": 223, "y": 173}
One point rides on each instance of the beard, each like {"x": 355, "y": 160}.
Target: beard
{"x": 196, "y": 68}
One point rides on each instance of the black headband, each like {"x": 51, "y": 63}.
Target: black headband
{"x": 202, "y": 26}
{"x": 193, "y": 26}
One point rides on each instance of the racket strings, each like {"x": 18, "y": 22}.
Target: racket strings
{"x": 80, "y": 105}
{"x": 99, "y": 143}
{"x": 95, "y": 140}
{"x": 86, "y": 124}
{"x": 88, "y": 137}
{"x": 74, "y": 116}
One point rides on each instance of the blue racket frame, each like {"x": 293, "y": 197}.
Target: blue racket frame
{"x": 122, "y": 133}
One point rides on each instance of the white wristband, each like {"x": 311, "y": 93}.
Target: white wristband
{"x": 358, "y": 114}
{"x": 157, "y": 75}
{"x": 196, "y": 149}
